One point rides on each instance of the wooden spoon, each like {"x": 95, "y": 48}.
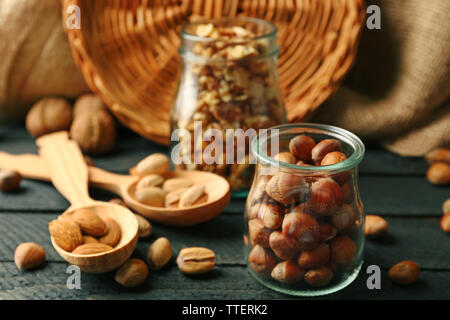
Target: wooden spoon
{"x": 216, "y": 188}
{"x": 69, "y": 175}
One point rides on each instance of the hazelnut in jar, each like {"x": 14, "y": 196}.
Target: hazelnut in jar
{"x": 304, "y": 216}
{"x": 227, "y": 93}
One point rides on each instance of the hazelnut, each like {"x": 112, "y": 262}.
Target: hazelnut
{"x": 29, "y": 255}
{"x": 342, "y": 250}
{"x": 439, "y": 173}
{"x": 301, "y": 147}
{"x": 271, "y": 215}
{"x": 344, "y": 218}
{"x": 334, "y": 158}
{"x": 446, "y": 206}
{"x": 375, "y": 226}
{"x": 303, "y": 228}
{"x": 287, "y": 272}
{"x": 261, "y": 260}
{"x": 326, "y": 197}
{"x": 438, "y": 155}
{"x": 314, "y": 258}
{"x": 319, "y": 277}
{"x": 327, "y": 232}
{"x": 285, "y": 157}
{"x": 94, "y": 131}
{"x": 258, "y": 192}
{"x": 404, "y": 272}
{"x": 10, "y": 180}
{"x": 445, "y": 222}
{"x": 287, "y": 188}
{"x": 86, "y": 103}
{"x": 323, "y": 147}
{"x": 347, "y": 192}
{"x": 257, "y": 233}
{"x": 303, "y": 208}
{"x": 284, "y": 247}
{"x": 48, "y": 115}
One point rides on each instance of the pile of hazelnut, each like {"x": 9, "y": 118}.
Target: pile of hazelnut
{"x": 234, "y": 88}
{"x": 303, "y": 226}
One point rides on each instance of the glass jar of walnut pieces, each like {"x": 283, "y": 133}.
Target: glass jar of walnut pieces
{"x": 229, "y": 82}
{"x": 304, "y": 216}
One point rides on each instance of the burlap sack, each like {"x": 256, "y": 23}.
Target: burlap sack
{"x": 398, "y": 92}
{"x": 35, "y": 56}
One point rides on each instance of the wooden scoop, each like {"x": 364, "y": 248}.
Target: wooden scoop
{"x": 69, "y": 175}
{"x": 216, "y": 187}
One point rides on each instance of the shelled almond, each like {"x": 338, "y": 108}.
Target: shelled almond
{"x": 156, "y": 190}
{"x": 304, "y": 225}
{"x": 84, "y": 232}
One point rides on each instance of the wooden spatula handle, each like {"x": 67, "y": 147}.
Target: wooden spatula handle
{"x": 68, "y": 170}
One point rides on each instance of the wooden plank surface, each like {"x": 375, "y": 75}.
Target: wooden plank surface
{"x": 390, "y": 185}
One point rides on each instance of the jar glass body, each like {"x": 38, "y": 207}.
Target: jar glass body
{"x": 229, "y": 82}
{"x": 304, "y": 223}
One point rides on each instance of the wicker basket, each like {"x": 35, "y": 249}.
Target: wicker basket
{"x": 127, "y": 51}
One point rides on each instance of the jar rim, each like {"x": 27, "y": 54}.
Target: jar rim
{"x": 338, "y": 133}
{"x": 185, "y": 35}
{"x": 189, "y": 36}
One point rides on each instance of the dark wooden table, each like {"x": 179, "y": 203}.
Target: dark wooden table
{"x": 391, "y": 186}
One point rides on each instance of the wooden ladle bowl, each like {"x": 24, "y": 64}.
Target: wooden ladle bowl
{"x": 69, "y": 175}
{"x": 109, "y": 260}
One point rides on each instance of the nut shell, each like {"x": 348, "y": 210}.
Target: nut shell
{"x": 303, "y": 228}
{"x": 375, "y": 226}
{"x": 261, "y": 260}
{"x": 29, "y": 255}
{"x": 94, "y": 131}
{"x": 9, "y": 180}
{"x": 287, "y": 272}
{"x": 48, "y": 115}
{"x": 404, "y": 272}
{"x": 287, "y": 188}
{"x": 196, "y": 260}
{"x": 132, "y": 273}
{"x": 159, "y": 253}
{"x": 301, "y": 147}
{"x": 326, "y": 197}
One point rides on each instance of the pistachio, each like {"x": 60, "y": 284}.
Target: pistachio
{"x": 159, "y": 253}
{"x": 196, "y": 260}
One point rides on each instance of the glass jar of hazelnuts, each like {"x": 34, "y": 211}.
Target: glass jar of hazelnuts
{"x": 304, "y": 216}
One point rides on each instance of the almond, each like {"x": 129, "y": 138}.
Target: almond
{"x": 89, "y": 239}
{"x": 132, "y": 273}
{"x": 112, "y": 237}
{"x": 151, "y": 196}
{"x": 173, "y": 197}
{"x": 156, "y": 163}
{"x": 29, "y": 255}
{"x": 175, "y": 184}
{"x": 89, "y": 222}
{"x": 65, "y": 233}
{"x": 144, "y": 227}
{"x": 152, "y": 180}
{"x": 91, "y": 248}
{"x": 159, "y": 253}
{"x": 191, "y": 195}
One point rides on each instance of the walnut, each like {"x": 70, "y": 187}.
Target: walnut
{"x": 87, "y": 102}
{"x": 95, "y": 132}
{"x": 48, "y": 115}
